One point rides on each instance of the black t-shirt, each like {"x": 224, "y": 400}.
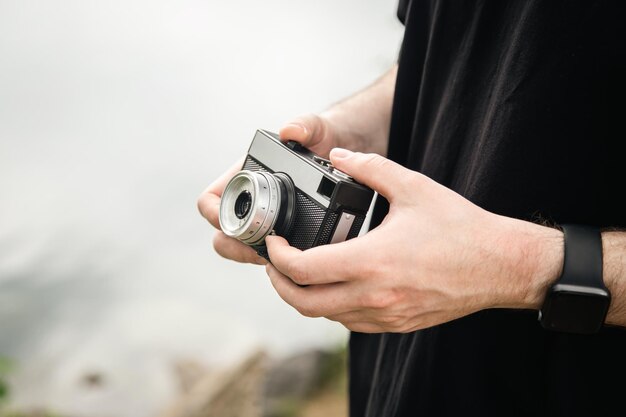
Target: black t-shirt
{"x": 519, "y": 107}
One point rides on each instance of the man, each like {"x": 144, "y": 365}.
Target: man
{"x": 503, "y": 119}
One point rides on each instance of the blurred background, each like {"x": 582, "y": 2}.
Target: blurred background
{"x": 114, "y": 116}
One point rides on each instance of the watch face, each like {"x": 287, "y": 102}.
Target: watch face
{"x": 576, "y": 312}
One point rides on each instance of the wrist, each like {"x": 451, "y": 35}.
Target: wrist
{"x": 537, "y": 260}
{"x": 546, "y": 264}
{"x": 614, "y": 265}
{"x": 347, "y": 133}
{"x": 362, "y": 120}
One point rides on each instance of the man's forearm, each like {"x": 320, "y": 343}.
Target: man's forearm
{"x": 363, "y": 119}
{"x": 614, "y": 265}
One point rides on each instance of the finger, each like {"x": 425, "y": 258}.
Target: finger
{"x": 384, "y": 321}
{"x": 311, "y": 301}
{"x": 233, "y": 249}
{"x": 355, "y": 316}
{"x": 381, "y": 174}
{"x": 209, "y": 207}
{"x": 364, "y": 327}
{"x": 323, "y": 264}
{"x": 309, "y": 130}
{"x": 209, "y": 200}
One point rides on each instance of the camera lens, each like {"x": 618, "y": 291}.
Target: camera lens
{"x": 243, "y": 204}
{"x": 255, "y": 203}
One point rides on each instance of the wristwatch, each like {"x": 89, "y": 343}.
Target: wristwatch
{"x": 578, "y": 301}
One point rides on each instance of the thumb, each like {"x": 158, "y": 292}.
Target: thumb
{"x": 381, "y": 174}
{"x": 309, "y": 130}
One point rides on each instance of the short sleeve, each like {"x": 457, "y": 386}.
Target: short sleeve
{"x": 403, "y": 6}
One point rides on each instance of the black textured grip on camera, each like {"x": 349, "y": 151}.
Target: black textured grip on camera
{"x": 327, "y": 229}
{"x": 307, "y": 223}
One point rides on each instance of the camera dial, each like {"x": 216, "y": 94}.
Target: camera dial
{"x": 255, "y": 203}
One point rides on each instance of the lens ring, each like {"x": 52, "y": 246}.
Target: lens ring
{"x": 253, "y": 226}
{"x": 266, "y": 209}
{"x": 230, "y": 224}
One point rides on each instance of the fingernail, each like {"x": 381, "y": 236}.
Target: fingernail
{"x": 261, "y": 261}
{"x": 340, "y": 153}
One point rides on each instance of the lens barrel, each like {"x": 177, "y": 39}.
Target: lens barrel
{"x": 255, "y": 203}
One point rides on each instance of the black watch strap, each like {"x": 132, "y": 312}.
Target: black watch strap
{"x": 583, "y": 256}
{"x": 579, "y": 300}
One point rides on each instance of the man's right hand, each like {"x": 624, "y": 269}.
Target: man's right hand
{"x": 312, "y": 131}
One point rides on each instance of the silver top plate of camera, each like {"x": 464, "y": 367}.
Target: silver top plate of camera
{"x": 306, "y": 176}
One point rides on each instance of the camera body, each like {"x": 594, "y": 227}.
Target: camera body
{"x": 285, "y": 189}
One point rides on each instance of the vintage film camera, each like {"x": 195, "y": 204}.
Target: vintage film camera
{"x": 284, "y": 188}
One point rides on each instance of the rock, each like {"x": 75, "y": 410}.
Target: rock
{"x": 232, "y": 393}
{"x": 257, "y": 387}
{"x": 189, "y": 372}
{"x": 292, "y": 380}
